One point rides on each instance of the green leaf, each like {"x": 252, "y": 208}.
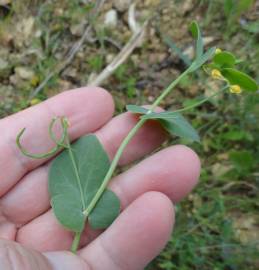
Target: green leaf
{"x": 243, "y": 6}
{"x": 228, "y": 7}
{"x": 102, "y": 215}
{"x": 136, "y": 109}
{"x": 236, "y": 77}
{"x": 252, "y": 27}
{"x": 194, "y": 29}
{"x": 224, "y": 59}
{"x": 242, "y": 160}
{"x": 203, "y": 59}
{"x": 71, "y": 195}
{"x": 234, "y": 135}
{"x": 196, "y": 33}
{"x": 173, "y": 122}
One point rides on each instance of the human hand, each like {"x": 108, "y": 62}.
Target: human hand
{"x": 31, "y": 237}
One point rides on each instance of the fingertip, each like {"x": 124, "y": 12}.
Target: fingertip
{"x": 173, "y": 171}
{"x": 88, "y": 106}
{"x": 187, "y": 170}
{"x": 191, "y": 159}
{"x": 159, "y": 203}
{"x": 163, "y": 214}
{"x": 136, "y": 237}
{"x": 65, "y": 260}
{"x": 105, "y": 96}
{"x": 88, "y": 93}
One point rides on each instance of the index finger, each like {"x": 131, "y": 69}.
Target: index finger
{"x": 87, "y": 109}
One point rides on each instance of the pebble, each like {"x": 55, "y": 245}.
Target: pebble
{"x": 24, "y": 73}
{"x": 111, "y": 18}
{"x": 5, "y": 2}
{"x": 109, "y": 57}
{"x": 122, "y": 5}
{"x": 3, "y": 64}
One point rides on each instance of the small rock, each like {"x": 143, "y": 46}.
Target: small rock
{"x": 5, "y": 2}
{"x": 122, "y": 5}
{"x": 27, "y": 26}
{"x": 14, "y": 80}
{"x": 24, "y": 30}
{"x": 64, "y": 85}
{"x": 5, "y": 69}
{"x": 149, "y": 3}
{"x": 219, "y": 169}
{"x": 135, "y": 59}
{"x": 208, "y": 40}
{"x": 24, "y": 73}
{"x": 189, "y": 51}
{"x": 3, "y": 64}
{"x": 38, "y": 33}
{"x": 58, "y": 11}
{"x": 109, "y": 57}
{"x": 92, "y": 77}
{"x": 186, "y": 6}
{"x": 150, "y": 98}
{"x": 70, "y": 72}
{"x": 77, "y": 29}
{"x": 6, "y": 37}
{"x": 111, "y": 18}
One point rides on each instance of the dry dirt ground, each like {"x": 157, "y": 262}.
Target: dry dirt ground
{"x": 36, "y": 38}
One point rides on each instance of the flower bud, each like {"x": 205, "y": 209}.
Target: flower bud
{"x": 235, "y": 89}
{"x": 218, "y": 50}
{"x": 216, "y": 74}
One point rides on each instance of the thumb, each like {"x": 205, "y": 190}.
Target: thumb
{"x": 14, "y": 256}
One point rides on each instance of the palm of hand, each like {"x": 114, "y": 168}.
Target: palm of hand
{"x": 145, "y": 190}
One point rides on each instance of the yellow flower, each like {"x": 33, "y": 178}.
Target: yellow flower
{"x": 235, "y": 89}
{"x": 216, "y": 74}
{"x": 35, "y": 101}
{"x": 218, "y": 50}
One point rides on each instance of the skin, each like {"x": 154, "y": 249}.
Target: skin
{"x": 30, "y": 236}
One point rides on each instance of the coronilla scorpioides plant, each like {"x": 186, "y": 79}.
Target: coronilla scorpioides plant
{"x": 79, "y": 175}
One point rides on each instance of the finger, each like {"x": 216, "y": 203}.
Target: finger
{"x": 27, "y": 201}
{"x": 135, "y": 238}
{"x": 14, "y": 256}
{"x": 87, "y": 110}
{"x": 173, "y": 171}
{"x": 148, "y": 137}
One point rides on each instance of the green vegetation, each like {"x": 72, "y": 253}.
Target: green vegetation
{"x": 217, "y": 225}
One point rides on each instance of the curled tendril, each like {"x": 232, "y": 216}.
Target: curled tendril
{"x": 64, "y": 123}
{"x": 60, "y": 143}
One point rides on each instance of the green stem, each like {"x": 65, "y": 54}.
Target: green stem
{"x": 127, "y": 140}
{"x": 76, "y": 242}
{"x": 169, "y": 89}
{"x": 131, "y": 134}
{"x": 76, "y": 172}
{"x": 202, "y": 101}
{"x": 113, "y": 166}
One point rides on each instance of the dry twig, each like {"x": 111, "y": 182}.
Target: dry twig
{"x": 60, "y": 67}
{"x": 135, "y": 40}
